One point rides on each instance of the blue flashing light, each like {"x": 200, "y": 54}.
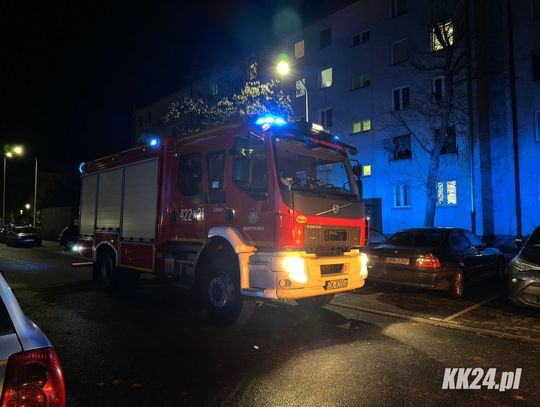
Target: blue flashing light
{"x": 153, "y": 142}
{"x": 336, "y": 138}
{"x": 278, "y": 121}
{"x": 81, "y": 167}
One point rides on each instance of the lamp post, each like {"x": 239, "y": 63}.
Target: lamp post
{"x": 283, "y": 69}
{"x": 27, "y": 206}
{"x": 18, "y": 150}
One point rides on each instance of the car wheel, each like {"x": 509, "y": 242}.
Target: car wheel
{"x": 315, "y": 302}
{"x": 221, "y": 292}
{"x": 457, "y": 288}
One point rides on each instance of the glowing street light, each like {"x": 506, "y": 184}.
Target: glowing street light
{"x": 18, "y": 150}
{"x": 284, "y": 69}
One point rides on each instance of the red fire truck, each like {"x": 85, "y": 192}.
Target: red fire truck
{"x": 240, "y": 213}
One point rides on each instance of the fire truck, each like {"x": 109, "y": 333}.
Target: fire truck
{"x": 248, "y": 211}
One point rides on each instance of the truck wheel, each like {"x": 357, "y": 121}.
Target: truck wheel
{"x": 315, "y": 302}
{"x": 105, "y": 270}
{"x": 457, "y": 288}
{"x": 221, "y": 292}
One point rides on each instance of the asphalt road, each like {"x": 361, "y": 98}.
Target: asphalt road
{"x": 151, "y": 349}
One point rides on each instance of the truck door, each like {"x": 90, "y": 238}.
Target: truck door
{"x": 216, "y": 214}
{"x": 189, "y": 199}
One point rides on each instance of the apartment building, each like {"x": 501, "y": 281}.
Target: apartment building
{"x": 355, "y": 64}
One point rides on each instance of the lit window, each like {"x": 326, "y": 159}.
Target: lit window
{"x": 361, "y": 82}
{"x": 400, "y": 51}
{"x": 537, "y": 124}
{"x": 402, "y": 197}
{"x": 326, "y": 37}
{"x": 398, "y": 7}
{"x": 326, "y": 78}
{"x": 447, "y": 193}
{"x": 367, "y": 170}
{"x": 438, "y": 88}
{"x": 400, "y": 98}
{"x": 442, "y": 35}
{"x": 326, "y": 118}
{"x": 299, "y": 49}
{"x": 362, "y": 126}
{"x": 300, "y": 87}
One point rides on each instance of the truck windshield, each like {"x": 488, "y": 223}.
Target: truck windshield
{"x": 313, "y": 168}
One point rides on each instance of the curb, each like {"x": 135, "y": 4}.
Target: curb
{"x": 440, "y": 323}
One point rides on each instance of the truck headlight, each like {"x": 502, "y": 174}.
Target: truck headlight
{"x": 363, "y": 265}
{"x": 295, "y": 267}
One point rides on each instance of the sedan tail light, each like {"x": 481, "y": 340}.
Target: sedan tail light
{"x": 34, "y": 379}
{"x": 429, "y": 261}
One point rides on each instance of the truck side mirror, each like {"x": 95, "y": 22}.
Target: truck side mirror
{"x": 357, "y": 170}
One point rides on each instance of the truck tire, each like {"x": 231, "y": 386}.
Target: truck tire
{"x": 221, "y": 289}
{"x": 315, "y": 302}
{"x": 105, "y": 270}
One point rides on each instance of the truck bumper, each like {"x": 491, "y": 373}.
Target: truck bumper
{"x": 292, "y": 275}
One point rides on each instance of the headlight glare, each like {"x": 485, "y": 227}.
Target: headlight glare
{"x": 296, "y": 268}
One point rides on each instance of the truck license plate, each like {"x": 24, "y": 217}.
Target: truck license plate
{"x": 334, "y": 284}
{"x": 397, "y": 260}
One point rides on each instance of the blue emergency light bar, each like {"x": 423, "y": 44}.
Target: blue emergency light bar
{"x": 278, "y": 121}
{"x": 153, "y": 142}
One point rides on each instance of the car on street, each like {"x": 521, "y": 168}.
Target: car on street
{"x": 4, "y": 231}
{"x": 68, "y": 236}
{"x": 30, "y": 370}
{"x": 447, "y": 259}
{"x": 23, "y": 236}
{"x": 524, "y": 273}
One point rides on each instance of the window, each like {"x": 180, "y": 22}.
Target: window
{"x": 326, "y": 37}
{"x": 148, "y": 117}
{"x": 400, "y": 51}
{"x": 537, "y": 124}
{"x": 299, "y": 49}
{"x": 215, "y": 164}
{"x": 252, "y": 71}
{"x": 366, "y": 170}
{"x": 446, "y": 193}
{"x": 438, "y": 88}
{"x": 361, "y": 38}
{"x": 249, "y": 166}
{"x": 400, "y": 98}
{"x": 535, "y": 9}
{"x": 362, "y": 126}
{"x": 325, "y": 78}
{"x": 536, "y": 66}
{"x": 442, "y": 35}
{"x": 449, "y": 146}
{"x": 402, "y": 148}
{"x": 398, "y": 7}
{"x": 361, "y": 82}
{"x": 190, "y": 176}
{"x": 300, "y": 87}
{"x": 326, "y": 118}
{"x": 402, "y": 197}
{"x": 458, "y": 242}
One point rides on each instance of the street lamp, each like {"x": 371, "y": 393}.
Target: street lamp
{"x": 283, "y": 69}
{"x": 27, "y": 206}
{"x": 18, "y": 150}
{"x": 15, "y": 150}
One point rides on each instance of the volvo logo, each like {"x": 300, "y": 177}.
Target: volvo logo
{"x": 335, "y": 208}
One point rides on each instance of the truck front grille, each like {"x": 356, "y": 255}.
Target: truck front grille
{"x": 331, "y": 237}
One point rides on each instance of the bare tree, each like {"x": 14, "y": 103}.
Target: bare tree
{"x": 437, "y": 110}
{"x": 255, "y": 98}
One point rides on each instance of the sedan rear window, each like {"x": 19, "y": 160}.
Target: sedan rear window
{"x": 416, "y": 238}
{"x": 6, "y": 327}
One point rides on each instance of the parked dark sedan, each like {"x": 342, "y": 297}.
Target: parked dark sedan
{"x": 68, "y": 236}
{"x": 23, "y": 236}
{"x": 375, "y": 238}
{"x": 435, "y": 258}
{"x": 524, "y": 273}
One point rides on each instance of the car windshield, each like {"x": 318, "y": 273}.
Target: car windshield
{"x": 534, "y": 240}
{"x": 416, "y": 238}
{"x": 313, "y": 168}
{"x": 25, "y": 229}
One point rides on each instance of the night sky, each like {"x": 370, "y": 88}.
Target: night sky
{"x": 71, "y": 72}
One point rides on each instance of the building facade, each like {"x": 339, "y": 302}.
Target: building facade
{"x": 360, "y": 75}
